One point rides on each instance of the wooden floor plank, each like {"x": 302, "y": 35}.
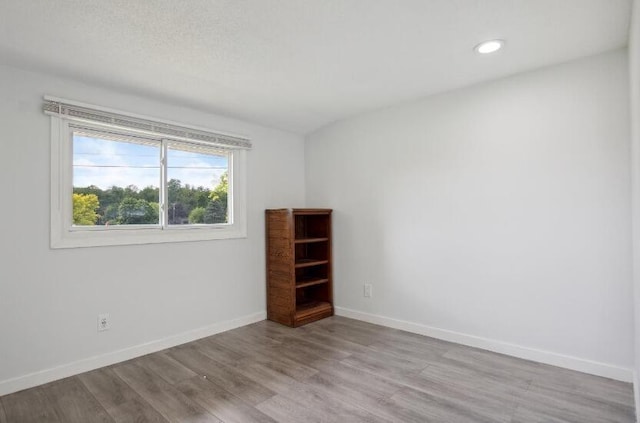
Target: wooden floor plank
{"x": 297, "y": 368}
{"x": 166, "y": 367}
{"x": 479, "y": 395}
{"x": 385, "y": 364}
{"x": 73, "y": 403}
{"x": 222, "y": 354}
{"x": 136, "y": 411}
{"x": 29, "y": 406}
{"x": 107, "y": 387}
{"x": 417, "y": 404}
{"x": 339, "y": 329}
{"x": 359, "y": 381}
{"x": 162, "y": 396}
{"x": 332, "y": 370}
{"x": 573, "y": 406}
{"x": 492, "y": 363}
{"x": 524, "y": 414}
{"x": 304, "y": 348}
{"x": 506, "y": 385}
{"x": 297, "y": 342}
{"x": 226, "y": 377}
{"x": 251, "y": 346}
{"x": 273, "y": 330}
{"x": 247, "y": 337}
{"x": 221, "y": 403}
{"x": 120, "y": 400}
{"x": 271, "y": 376}
{"x": 368, "y": 391}
{"x": 306, "y": 404}
{"x": 3, "y": 417}
{"x": 274, "y": 356}
{"x": 569, "y": 381}
{"x": 322, "y": 337}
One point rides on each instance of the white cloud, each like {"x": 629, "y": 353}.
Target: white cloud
{"x": 106, "y": 163}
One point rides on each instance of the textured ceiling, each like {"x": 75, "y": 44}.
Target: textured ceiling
{"x": 299, "y": 64}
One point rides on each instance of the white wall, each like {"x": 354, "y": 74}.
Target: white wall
{"x": 634, "y": 73}
{"x": 50, "y": 299}
{"x": 496, "y": 215}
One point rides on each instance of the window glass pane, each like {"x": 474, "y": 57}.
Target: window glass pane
{"x": 115, "y": 181}
{"x": 197, "y": 184}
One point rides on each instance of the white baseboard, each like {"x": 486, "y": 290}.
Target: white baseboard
{"x": 546, "y": 357}
{"x": 49, "y": 375}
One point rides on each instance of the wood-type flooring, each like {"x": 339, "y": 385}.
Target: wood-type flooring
{"x": 333, "y": 370}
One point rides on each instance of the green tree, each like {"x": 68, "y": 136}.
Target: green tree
{"x": 118, "y": 205}
{"x": 197, "y": 215}
{"x": 219, "y": 193}
{"x": 134, "y": 211}
{"x": 154, "y": 217}
{"x": 201, "y": 197}
{"x": 84, "y": 209}
{"x": 91, "y": 189}
{"x": 113, "y": 196}
{"x": 110, "y": 214}
{"x": 217, "y": 210}
{"x": 150, "y": 194}
{"x": 214, "y": 213}
{"x": 173, "y": 189}
{"x": 131, "y": 191}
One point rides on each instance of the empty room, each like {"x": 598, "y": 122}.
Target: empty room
{"x": 320, "y": 211}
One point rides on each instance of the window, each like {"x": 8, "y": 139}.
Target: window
{"x": 117, "y": 181}
{"x": 121, "y": 179}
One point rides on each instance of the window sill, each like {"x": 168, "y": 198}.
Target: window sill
{"x": 89, "y": 238}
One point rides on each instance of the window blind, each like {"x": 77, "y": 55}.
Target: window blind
{"x": 83, "y": 113}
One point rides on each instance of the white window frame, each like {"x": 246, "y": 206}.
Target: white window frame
{"x": 66, "y": 235}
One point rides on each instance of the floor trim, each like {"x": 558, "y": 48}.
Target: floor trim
{"x": 70, "y": 369}
{"x": 546, "y": 357}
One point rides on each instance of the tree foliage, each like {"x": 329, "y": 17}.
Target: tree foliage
{"x": 132, "y": 211}
{"x": 197, "y": 215}
{"x": 214, "y": 213}
{"x": 84, "y": 209}
{"x": 217, "y": 211}
{"x": 131, "y": 205}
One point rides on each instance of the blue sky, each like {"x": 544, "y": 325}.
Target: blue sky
{"x": 106, "y": 163}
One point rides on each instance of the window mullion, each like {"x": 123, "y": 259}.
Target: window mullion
{"x": 164, "y": 191}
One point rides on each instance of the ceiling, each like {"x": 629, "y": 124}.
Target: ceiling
{"x": 299, "y": 64}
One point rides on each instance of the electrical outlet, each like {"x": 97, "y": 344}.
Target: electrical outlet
{"x": 104, "y": 322}
{"x": 367, "y": 290}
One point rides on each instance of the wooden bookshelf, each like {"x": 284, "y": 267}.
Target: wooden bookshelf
{"x": 299, "y": 264}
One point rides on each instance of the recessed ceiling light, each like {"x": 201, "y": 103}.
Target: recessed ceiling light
{"x": 489, "y": 46}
